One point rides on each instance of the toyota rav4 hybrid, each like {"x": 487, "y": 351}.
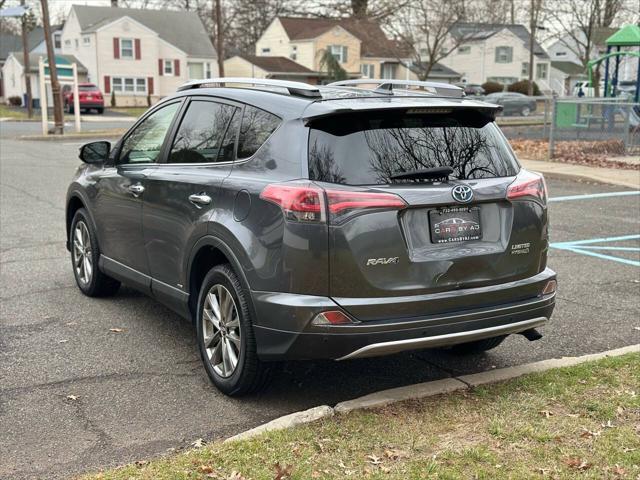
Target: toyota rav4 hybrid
{"x": 291, "y": 221}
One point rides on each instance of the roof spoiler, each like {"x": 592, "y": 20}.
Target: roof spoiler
{"x": 298, "y": 89}
{"x": 384, "y": 86}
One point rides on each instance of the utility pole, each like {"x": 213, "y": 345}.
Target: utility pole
{"x": 25, "y": 61}
{"x": 53, "y": 73}
{"x": 533, "y": 20}
{"x": 219, "y": 37}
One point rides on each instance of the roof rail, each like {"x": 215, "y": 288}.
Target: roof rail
{"x": 293, "y": 88}
{"x": 386, "y": 86}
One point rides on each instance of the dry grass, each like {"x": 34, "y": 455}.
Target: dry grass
{"x": 578, "y": 422}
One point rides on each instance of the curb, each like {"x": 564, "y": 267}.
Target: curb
{"x": 423, "y": 390}
{"x": 625, "y": 178}
{"x": 116, "y": 133}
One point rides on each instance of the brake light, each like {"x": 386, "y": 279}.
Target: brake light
{"x": 333, "y": 317}
{"x": 306, "y": 202}
{"x": 528, "y": 184}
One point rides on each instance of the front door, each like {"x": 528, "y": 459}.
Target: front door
{"x": 120, "y": 189}
{"x": 183, "y": 192}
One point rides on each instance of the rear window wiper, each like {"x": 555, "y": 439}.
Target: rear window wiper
{"x": 427, "y": 173}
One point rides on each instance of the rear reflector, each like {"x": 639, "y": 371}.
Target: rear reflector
{"x": 550, "y": 287}
{"x": 333, "y": 317}
{"x": 306, "y": 202}
{"x": 528, "y": 184}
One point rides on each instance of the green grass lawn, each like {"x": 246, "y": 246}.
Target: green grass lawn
{"x": 578, "y": 422}
{"x": 131, "y": 111}
{"x": 14, "y": 112}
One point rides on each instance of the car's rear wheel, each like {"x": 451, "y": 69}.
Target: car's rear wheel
{"x": 100, "y": 110}
{"x": 225, "y": 335}
{"x": 84, "y": 259}
{"x": 478, "y": 346}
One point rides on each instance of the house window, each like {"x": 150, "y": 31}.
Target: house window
{"x": 388, "y": 71}
{"x": 541, "y": 71}
{"x": 196, "y": 70}
{"x": 464, "y": 49}
{"x": 168, "y": 67}
{"x": 57, "y": 40}
{"x": 77, "y": 43}
{"x": 126, "y": 48}
{"x": 561, "y": 54}
{"x": 67, "y": 43}
{"x": 294, "y": 52}
{"x": 129, "y": 85}
{"x": 424, "y": 52}
{"x": 266, "y": 51}
{"x": 207, "y": 66}
{"x": 339, "y": 52}
{"x": 86, "y": 40}
{"x": 504, "y": 54}
{"x": 367, "y": 70}
{"x": 502, "y": 80}
{"x": 525, "y": 69}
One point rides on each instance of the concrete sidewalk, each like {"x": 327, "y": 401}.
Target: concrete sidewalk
{"x": 614, "y": 176}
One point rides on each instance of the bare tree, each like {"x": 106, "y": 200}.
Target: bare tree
{"x": 424, "y": 28}
{"x": 53, "y": 73}
{"x": 534, "y": 15}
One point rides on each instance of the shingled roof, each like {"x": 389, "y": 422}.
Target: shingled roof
{"x": 182, "y": 29}
{"x": 276, "y": 64}
{"x": 481, "y": 31}
{"x": 374, "y": 42}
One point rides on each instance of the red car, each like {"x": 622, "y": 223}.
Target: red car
{"x": 90, "y": 98}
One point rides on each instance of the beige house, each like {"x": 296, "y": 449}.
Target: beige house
{"x": 361, "y": 47}
{"x": 281, "y": 68}
{"x": 495, "y": 52}
{"x": 137, "y": 56}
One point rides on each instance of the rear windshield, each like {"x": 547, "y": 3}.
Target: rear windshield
{"x": 368, "y": 150}
{"x": 87, "y": 88}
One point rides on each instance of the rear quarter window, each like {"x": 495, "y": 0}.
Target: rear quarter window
{"x": 256, "y": 127}
{"x": 368, "y": 150}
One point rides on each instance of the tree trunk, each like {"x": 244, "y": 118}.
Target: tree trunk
{"x": 25, "y": 62}
{"x": 53, "y": 73}
{"x": 219, "y": 38}
{"x": 532, "y": 40}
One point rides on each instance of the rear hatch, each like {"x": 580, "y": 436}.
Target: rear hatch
{"x": 89, "y": 94}
{"x": 465, "y": 214}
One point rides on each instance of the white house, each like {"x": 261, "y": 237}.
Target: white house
{"x": 495, "y": 52}
{"x": 136, "y": 56}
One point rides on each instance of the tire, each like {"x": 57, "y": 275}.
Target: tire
{"x": 100, "y": 110}
{"x": 234, "y": 334}
{"x": 525, "y": 112}
{"x": 84, "y": 248}
{"x": 478, "y": 346}
{"x": 70, "y": 108}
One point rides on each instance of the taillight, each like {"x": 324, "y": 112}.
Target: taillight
{"x": 306, "y": 202}
{"x": 528, "y": 184}
{"x": 298, "y": 202}
{"x": 333, "y": 317}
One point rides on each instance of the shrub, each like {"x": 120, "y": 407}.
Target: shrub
{"x": 15, "y": 101}
{"x": 523, "y": 87}
{"x": 492, "y": 87}
{"x": 148, "y": 100}
{"x": 113, "y": 98}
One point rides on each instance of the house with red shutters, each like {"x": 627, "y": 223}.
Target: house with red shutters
{"x": 138, "y": 55}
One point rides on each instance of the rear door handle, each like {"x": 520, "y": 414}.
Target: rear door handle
{"x": 137, "y": 189}
{"x": 199, "y": 199}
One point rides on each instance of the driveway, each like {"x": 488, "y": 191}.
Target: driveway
{"x": 75, "y": 396}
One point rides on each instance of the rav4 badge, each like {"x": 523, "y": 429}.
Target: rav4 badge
{"x": 382, "y": 261}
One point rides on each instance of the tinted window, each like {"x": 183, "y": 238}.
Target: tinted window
{"x": 368, "y": 150}
{"x": 144, "y": 143}
{"x": 256, "y": 127}
{"x": 87, "y": 88}
{"x": 203, "y": 135}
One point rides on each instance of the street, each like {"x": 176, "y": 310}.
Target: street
{"x": 76, "y": 397}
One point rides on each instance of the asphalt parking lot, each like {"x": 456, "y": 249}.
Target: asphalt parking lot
{"x": 143, "y": 391}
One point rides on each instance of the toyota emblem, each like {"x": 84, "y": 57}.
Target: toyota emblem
{"x": 462, "y": 193}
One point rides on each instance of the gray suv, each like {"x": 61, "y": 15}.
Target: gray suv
{"x": 291, "y": 221}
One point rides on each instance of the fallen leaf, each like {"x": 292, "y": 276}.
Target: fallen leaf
{"x": 395, "y": 454}
{"x": 205, "y": 469}
{"x": 546, "y": 413}
{"x": 72, "y": 397}
{"x": 141, "y": 463}
{"x": 609, "y": 424}
{"x": 199, "y": 443}
{"x": 63, "y": 341}
{"x": 384, "y": 469}
{"x": 628, "y": 450}
{"x": 116, "y": 330}
{"x": 236, "y": 476}
{"x": 282, "y": 473}
{"x": 315, "y": 474}
{"x": 374, "y": 459}
{"x": 577, "y": 463}
{"x": 618, "y": 470}
{"x": 589, "y": 434}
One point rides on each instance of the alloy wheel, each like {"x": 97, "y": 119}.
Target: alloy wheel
{"x": 221, "y": 330}
{"x": 82, "y": 253}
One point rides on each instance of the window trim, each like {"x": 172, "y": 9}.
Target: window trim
{"x": 170, "y": 133}
{"x": 135, "y": 91}
{"x": 120, "y": 46}
{"x": 506, "y": 48}
{"x": 166, "y": 62}
{"x": 340, "y": 56}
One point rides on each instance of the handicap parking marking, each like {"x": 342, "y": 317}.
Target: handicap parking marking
{"x": 586, "y": 247}
{"x": 594, "y": 195}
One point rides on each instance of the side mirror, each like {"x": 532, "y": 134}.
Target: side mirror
{"x": 95, "y": 152}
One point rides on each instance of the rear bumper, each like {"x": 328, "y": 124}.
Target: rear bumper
{"x": 92, "y": 104}
{"x": 283, "y": 326}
